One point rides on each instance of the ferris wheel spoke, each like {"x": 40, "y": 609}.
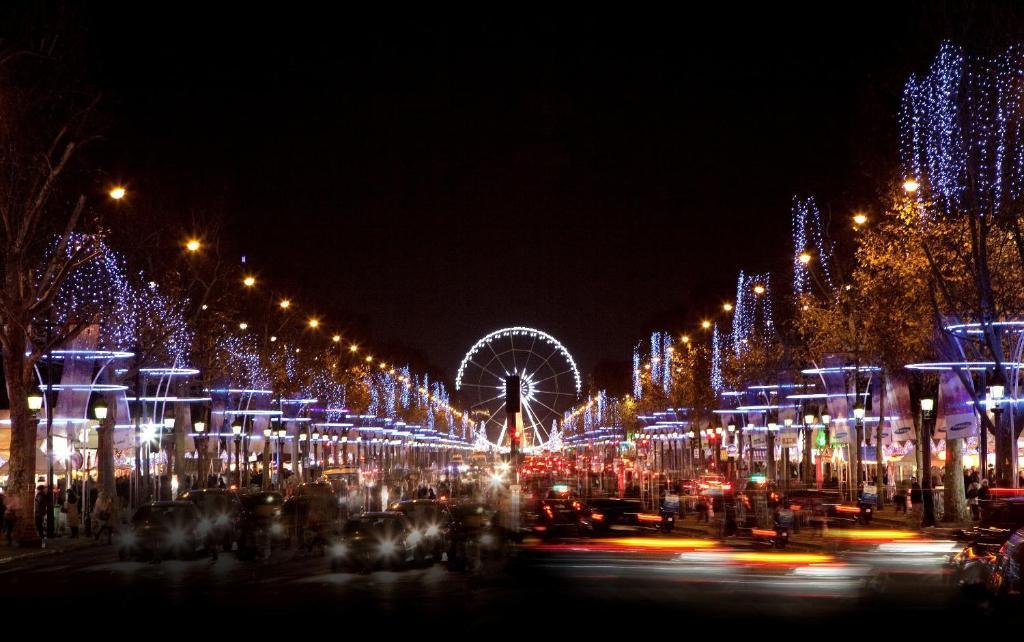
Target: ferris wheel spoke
{"x": 512, "y": 346}
{"x": 529, "y": 353}
{"x": 557, "y": 414}
{"x": 487, "y": 401}
{"x": 534, "y": 422}
{"x": 554, "y": 376}
{"x": 495, "y": 353}
{"x": 554, "y": 351}
{"x": 488, "y": 370}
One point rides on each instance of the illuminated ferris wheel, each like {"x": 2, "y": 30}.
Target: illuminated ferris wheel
{"x": 549, "y": 383}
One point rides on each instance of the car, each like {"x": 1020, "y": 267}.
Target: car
{"x": 378, "y": 539}
{"x": 972, "y": 567}
{"x": 558, "y": 513}
{"x": 601, "y": 516}
{"x": 259, "y": 524}
{"x": 1004, "y": 581}
{"x": 220, "y": 509}
{"x": 473, "y": 535}
{"x": 166, "y": 528}
{"x": 432, "y": 520}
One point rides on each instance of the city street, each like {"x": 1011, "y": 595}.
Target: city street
{"x": 565, "y": 585}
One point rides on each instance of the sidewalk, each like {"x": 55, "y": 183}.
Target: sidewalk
{"x": 54, "y": 546}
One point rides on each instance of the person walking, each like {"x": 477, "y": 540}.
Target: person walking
{"x": 916, "y": 502}
{"x": 984, "y": 494}
{"x": 73, "y": 512}
{"x": 972, "y": 500}
{"x": 102, "y": 512}
{"x": 39, "y": 510}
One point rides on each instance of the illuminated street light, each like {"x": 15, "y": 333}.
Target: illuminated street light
{"x": 314, "y": 323}
{"x": 859, "y": 219}
{"x": 758, "y": 289}
{"x": 727, "y": 307}
{"x": 353, "y": 348}
{"x": 705, "y": 324}
{"x": 285, "y": 304}
{"x": 193, "y": 245}
{"x": 336, "y": 338}
{"x": 243, "y": 325}
{"x": 249, "y": 281}
{"x": 910, "y": 186}
{"x": 805, "y": 258}
{"x": 117, "y": 193}
{"x": 685, "y": 339}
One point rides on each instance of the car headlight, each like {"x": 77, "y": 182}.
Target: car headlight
{"x": 339, "y": 550}
{"x": 414, "y": 537}
{"x": 386, "y": 548}
{"x": 433, "y": 530}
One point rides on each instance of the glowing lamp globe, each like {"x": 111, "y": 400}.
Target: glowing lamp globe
{"x": 35, "y": 401}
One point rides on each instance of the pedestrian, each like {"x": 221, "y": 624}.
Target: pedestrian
{"x": 972, "y": 500}
{"x": 916, "y": 502}
{"x": 984, "y": 493}
{"x": 13, "y": 505}
{"x": 73, "y": 512}
{"x": 103, "y": 512}
{"x": 39, "y": 510}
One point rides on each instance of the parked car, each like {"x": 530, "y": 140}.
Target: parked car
{"x": 259, "y": 525}
{"x": 432, "y": 520}
{"x": 161, "y": 529}
{"x": 220, "y": 510}
{"x": 380, "y": 539}
{"x": 602, "y": 516}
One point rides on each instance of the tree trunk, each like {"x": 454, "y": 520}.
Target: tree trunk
{"x": 105, "y": 461}
{"x": 879, "y": 455}
{"x": 22, "y": 465}
{"x": 182, "y": 426}
{"x": 954, "y": 502}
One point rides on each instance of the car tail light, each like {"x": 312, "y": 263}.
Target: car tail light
{"x": 648, "y": 517}
{"x": 597, "y": 517}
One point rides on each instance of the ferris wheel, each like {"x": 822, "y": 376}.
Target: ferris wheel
{"x": 549, "y": 383}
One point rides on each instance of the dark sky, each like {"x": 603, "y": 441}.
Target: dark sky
{"x": 593, "y": 176}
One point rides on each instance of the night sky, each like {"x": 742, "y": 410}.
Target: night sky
{"x": 593, "y": 176}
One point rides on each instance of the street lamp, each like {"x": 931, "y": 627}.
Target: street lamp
{"x": 100, "y": 410}
{"x": 927, "y": 405}
{"x": 236, "y": 430}
{"x": 35, "y": 402}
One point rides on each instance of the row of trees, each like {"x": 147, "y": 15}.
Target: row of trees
{"x": 82, "y": 264}
{"x": 943, "y": 246}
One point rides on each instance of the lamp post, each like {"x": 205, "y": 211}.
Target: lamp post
{"x": 315, "y": 437}
{"x": 236, "y": 430}
{"x": 927, "y": 405}
{"x": 770, "y": 451}
{"x": 805, "y": 469}
{"x": 858, "y": 416}
{"x": 281, "y": 433}
{"x": 200, "y": 441}
{"x": 996, "y": 391}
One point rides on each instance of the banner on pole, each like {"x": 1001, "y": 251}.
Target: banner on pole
{"x": 897, "y": 407}
{"x": 956, "y": 418}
